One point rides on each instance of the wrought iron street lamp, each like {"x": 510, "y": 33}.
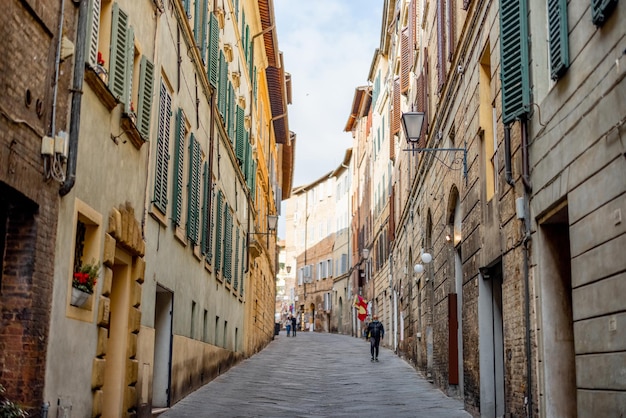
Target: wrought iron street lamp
{"x": 412, "y": 123}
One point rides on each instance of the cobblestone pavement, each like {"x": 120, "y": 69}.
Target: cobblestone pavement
{"x": 318, "y": 375}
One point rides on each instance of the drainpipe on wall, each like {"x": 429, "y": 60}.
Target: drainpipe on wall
{"x": 77, "y": 95}
{"x": 527, "y": 240}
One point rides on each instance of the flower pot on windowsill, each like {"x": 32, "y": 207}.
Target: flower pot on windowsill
{"x": 79, "y": 298}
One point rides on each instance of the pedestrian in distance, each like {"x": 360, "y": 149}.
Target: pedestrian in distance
{"x": 293, "y": 325}
{"x": 375, "y": 332}
{"x": 288, "y": 325}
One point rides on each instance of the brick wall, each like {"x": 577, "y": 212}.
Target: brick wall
{"x": 28, "y": 203}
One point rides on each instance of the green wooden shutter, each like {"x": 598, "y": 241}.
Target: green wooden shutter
{"x": 228, "y": 244}
{"x": 223, "y": 89}
{"x": 214, "y": 49}
{"x": 144, "y": 107}
{"x": 162, "y": 151}
{"x": 232, "y": 102}
{"x": 237, "y": 267}
{"x": 601, "y": 10}
{"x": 218, "y": 233}
{"x": 130, "y": 63}
{"x": 117, "y": 69}
{"x": 179, "y": 163}
{"x": 197, "y": 21}
{"x": 514, "y": 54}
{"x": 193, "y": 191}
{"x": 244, "y": 267}
{"x": 211, "y": 226}
{"x": 241, "y": 137}
{"x": 187, "y": 7}
{"x": 206, "y": 228}
{"x": 203, "y": 30}
{"x": 93, "y": 29}
{"x": 559, "y": 45}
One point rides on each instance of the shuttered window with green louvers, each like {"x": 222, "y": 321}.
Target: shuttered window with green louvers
{"x": 236, "y": 263}
{"x": 211, "y": 224}
{"x": 179, "y": 167}
{"x": 93, "y": 29}
{"x": 241, "y": 136}
{"x": 144, "y": 107}
{"x": 514, "y": 55}
{"x": 223, "y": 86}
{"x": 601, "y": 10}
{"x": 218, "y": 232}
{"x": 232, "y": 104}
{"x": 119, "y": 46}
{"x": 193, "y": 199}
{"x": 187, "y": 7}
{"x": 244, "y": 267}
{"x": 162, "y": 151}
{"x": 206, "y": 209}
{"x": 228, "y": 244}
{"x": 558, "y": 38}
{"x": 213, "y": 61}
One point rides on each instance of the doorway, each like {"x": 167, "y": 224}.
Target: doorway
{"x": 558, "y": 370}
{"x": 114, "y": 386}
{"x": 491, "y": 341}
{"x": 162, "y": 347}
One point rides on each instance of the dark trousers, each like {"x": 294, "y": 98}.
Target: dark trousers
{"x": 374, "y": 343}
{"x": 293, "y": 329}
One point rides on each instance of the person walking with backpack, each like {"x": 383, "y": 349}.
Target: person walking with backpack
{"x": 293, "y": 325}
{"x": 375, "y": 332}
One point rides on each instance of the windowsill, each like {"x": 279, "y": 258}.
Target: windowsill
{"x": 159, "y": 216}
{"x": 179, "y": 234}
{"x": 130, "y": 128}
{"x": 98, "y": 84}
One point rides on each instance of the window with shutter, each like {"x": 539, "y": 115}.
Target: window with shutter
{"x": 119, "y": 46}
{"x": 206, "y": 207}
{"x": 232, "y": 104}
{"x": 187, "y": 7}
{"x": 240, "y": 133}
{"x": 558, "y": 38}
{"x": 397, "y": 112}
{"x": 514, "y": 60}
{"x": 218, "y": 232}
{"x": 441, "y": 45}
{"x": 223, "y": 85}
{"x": 93, "y": 29}
{"x": 211, "y": 224}
{"x": 162, "y": 151}
{"x": 228, "y": 244}
{"x": 451, "y": 25}
{"x": 244, "y": 257}
{"x": 236, "y": 268}
{"x": 203, "y": 29}
{"x": 179, "y": 167}
{"x": 193, "y": 199}
{"x": 144, "y": 105}
{"x": 405, "y": 62}
{"x": 213, "y": 61}
{"x": 129, "y": 69}
{"x": 601, "y": 10}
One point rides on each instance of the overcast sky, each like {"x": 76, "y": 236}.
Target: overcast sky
{"x": 328, "y": 47}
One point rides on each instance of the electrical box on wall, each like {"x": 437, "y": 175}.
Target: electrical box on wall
{"x": 47, "y": 145}
{"x": 519, "y": 208}
{"x": 61, "y": 144}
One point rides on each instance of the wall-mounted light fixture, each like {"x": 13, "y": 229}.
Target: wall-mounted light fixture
{"x": 426, "y": 258}
{"x": 272, "y": 223}
{"x": 412, "y": 124}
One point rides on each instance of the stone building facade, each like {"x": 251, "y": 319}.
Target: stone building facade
{"x": 36, "y": 79}
{"x": 313, "y": 213}
{"x": 178, "y": 155}
{"x": 488, "y": 276}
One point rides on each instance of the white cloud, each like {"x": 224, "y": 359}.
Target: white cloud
{"x": 328, "y": 46}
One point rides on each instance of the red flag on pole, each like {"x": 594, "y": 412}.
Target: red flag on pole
{"x": 361, "y": 305}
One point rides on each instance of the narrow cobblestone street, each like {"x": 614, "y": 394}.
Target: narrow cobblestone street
{"x": 318, "y": 375}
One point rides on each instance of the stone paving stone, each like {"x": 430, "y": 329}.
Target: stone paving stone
{"x": 317, "y": 375}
